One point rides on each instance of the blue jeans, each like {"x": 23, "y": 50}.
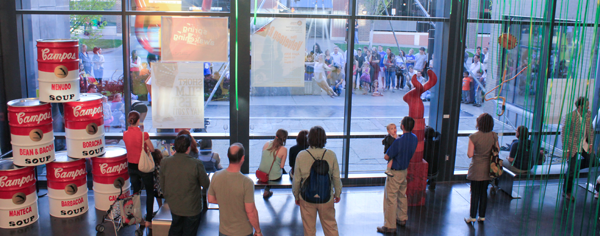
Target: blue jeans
{"x": 390, "y": 78}
{"x": 184, "y": 225}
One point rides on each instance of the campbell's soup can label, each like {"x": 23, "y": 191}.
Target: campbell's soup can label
{"x": 110, "y": 171}
{"x": 58, "y": 59}
{"x": 84, "y": 126}
{"x": 69, "y": 207}
{"x": 58, "y": 70}
{"x": 103, "y": 200}
{"x": 67, "y": 177}
{"x": 58, "y": 92}
{"x": 32, "y": 138}
{"x": 18, "y": 197}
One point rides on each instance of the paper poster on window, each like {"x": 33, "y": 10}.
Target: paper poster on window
{"x": 177, "y": 95}
{"x": 194, "y": 39}
{"x": 278, "y": 52}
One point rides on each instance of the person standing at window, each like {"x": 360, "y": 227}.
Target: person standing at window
{"x": 234, "y": 192}
{"x": 98, "y": 60}
{"x": 480, "y": 149}
{"x": 578, "y": 138}
{"x": 317, "y": 140}
{"x": 395, "y": 203}
{"x": 85, "y": 59}
{"x": 273, "y": 159}
{"x": 181, "y": 179}
{"x": 134, "y": 145}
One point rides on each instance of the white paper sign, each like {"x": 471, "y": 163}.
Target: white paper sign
{"x": 278, "y": 51}
{"x": 178, "y": 95}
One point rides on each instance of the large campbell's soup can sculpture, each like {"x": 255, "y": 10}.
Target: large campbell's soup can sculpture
{"x": 67, "y": 186}
{"x": 18, "y": 198}
{"x": 84, "y": 126}
{"x": 110, "y": 177}
{"x": 58, "y": 70}
{"x": 31, "y": 132}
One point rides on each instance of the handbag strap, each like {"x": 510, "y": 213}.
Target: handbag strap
{"x": 274, "y": 158}
{"x": 143, "y": 149}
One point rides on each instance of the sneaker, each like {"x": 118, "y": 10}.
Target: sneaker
{"x": 401, "y": 222}
{"x": 385, "y": 230}
{"x": 480, "y": 219}
{"x": 469, "y": 220}
{"x": 268, "y": 195}
{"x": 389, "y": 174}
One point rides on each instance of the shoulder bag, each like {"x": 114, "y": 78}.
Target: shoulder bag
{"x": 495, "y": 161}
{"x": 262, "y": 176}
{"x": 146, "y": 163}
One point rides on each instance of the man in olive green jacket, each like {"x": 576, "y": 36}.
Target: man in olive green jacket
{"x": 578, "y": 137}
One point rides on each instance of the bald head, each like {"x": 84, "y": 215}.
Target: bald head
{"x": 235, "y": 153}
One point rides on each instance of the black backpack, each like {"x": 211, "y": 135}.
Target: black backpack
{"x": 317, "y": 187}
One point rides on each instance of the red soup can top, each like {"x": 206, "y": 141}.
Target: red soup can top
{"x": 88, "y": 107}
{"x": 111, "y": 165}
{"x": 28, "y": 112}
{"x": 15, "y": 181}
{"x": 65, "y": 170}
{"x": 57, "y": 50}
{"x": 57, "y": 57}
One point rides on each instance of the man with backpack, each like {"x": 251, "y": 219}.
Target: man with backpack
{"x": 395, "y": 204}
{"x": 317, "y": 184}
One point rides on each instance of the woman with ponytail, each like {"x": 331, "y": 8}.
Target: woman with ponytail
{"x": 134, "y": 145}
{"x": 273, "y": 159}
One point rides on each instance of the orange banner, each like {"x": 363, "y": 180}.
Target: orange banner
{"x": 194, "y": 39}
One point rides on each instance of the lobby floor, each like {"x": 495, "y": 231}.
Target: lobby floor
{"x": 541, "y": 211}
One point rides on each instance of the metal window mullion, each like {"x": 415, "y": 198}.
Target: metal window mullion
{"x": 349, "y": 88}
{"x": 126, "y": 76}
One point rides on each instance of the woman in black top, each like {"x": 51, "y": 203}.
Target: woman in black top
{"x": 430, "y": 154}
{"x": 301, "y": 144}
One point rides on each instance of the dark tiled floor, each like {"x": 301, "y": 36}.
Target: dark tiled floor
{"x": 360, "y": 212}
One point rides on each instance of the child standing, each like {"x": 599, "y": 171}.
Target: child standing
{"x": 387, "y": 142}
{"x": 466, "y": 87}
{"x": 365, "y": 78}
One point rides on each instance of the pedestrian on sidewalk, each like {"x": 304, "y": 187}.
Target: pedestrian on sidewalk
{"x": 466, "y": 87}
{"x": 390, "y": 70}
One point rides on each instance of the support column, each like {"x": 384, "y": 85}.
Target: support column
{"x": 239, "y": 56}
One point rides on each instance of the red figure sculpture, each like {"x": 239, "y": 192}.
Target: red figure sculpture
{"x": 417, "y": 170}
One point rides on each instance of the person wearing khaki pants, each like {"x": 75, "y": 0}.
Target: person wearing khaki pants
{"x": 395, "y": 204}
{"x": 326, "y": 211}
{"x": 302, "y": 170}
